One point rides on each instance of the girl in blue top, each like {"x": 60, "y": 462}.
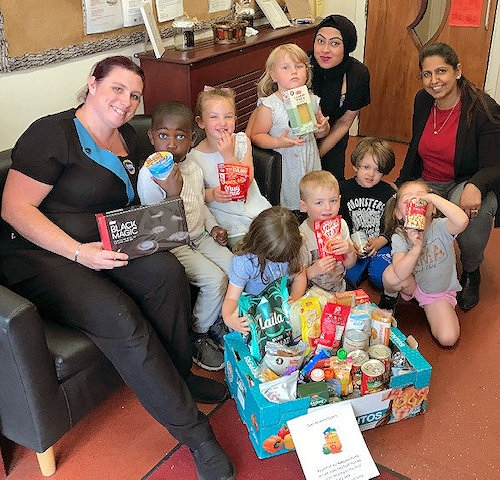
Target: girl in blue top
{"x": 269, "y": 250}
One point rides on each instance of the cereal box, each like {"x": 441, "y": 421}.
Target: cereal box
{"x": 299, "y": 110}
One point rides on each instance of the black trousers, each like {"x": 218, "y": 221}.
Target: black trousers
{"x": 138, "y": 316}
{"x": 334, "y": 159}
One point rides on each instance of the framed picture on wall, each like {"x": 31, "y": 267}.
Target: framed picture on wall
{"x": 152, "y": 29}
{"x": 274, "y": 13}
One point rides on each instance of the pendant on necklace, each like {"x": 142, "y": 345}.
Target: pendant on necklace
{"x": 435, "y": 132}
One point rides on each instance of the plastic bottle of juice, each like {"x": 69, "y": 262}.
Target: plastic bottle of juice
{"x": 342, "y": 368}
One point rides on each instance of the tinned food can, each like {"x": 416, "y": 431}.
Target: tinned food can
{"x": 382, "y": 353}
{"x": 355, "y": 340}
{"x": 372, "y": 377}
{"x": 358, "y": 357}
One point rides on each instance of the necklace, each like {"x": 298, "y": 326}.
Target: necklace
{"x": 108, "y": 147}
{"x": 437, "y": 130}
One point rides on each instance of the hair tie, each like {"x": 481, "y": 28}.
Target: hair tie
{"x": 227, "y": 90}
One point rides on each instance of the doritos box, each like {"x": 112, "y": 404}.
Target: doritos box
{"x": 234, "y": 179}
{"x": 326, "y": 231}
{"x": 144, "y": 229}
{"x": 299, "y": 110}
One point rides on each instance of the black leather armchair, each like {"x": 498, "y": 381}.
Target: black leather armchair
{"x": 51, "y": 376}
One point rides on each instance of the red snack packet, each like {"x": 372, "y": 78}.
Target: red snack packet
{"x": 333, "y": 322}
{"x": 326, "y": 231}
{"x": 234, "y": 179}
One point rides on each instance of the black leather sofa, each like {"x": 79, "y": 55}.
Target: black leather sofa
{"x": 51, "y": 376}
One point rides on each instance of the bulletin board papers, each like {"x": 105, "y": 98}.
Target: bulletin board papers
{"x": 464, "y": 13}
{"x": 274, "y": 13}
{"x": 102, "y": 15}
{"x": 218, "y": 5}
{"x": 132, "y": 12}
{"x": 330, "y": 445}
{"x": 169, "y": 9}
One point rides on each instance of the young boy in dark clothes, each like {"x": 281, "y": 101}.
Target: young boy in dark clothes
{"x": 362, "y": 206}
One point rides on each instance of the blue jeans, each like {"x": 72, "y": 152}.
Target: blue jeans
{"x": 375, "y": 266}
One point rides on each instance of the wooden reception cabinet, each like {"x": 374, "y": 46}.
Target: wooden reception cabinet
{"x": 182, "y": 75}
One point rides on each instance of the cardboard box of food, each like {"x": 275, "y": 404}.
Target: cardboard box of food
{"x": 266, "y": 421}
{"x": 299, "y": 110}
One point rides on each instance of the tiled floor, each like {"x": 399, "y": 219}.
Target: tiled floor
{"x": 458, "y": 437}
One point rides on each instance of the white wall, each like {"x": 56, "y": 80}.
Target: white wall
{"x": 29, "y": 94}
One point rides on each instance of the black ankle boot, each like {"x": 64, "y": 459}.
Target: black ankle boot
{"x": 468, "y": 297}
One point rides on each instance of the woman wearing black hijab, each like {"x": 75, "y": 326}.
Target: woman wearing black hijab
{"x": 342, "y": 83}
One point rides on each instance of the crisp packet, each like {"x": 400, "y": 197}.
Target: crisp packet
{"x": 279, "y": 358}
{"x": 234, "y": 179}
{"x": 326, "y": 231}
{"x": 333, "y": 322}
{"x": 269, "y": 315}
{"x": 315, "y": 299}
{"x": 281, "y": 390}
{"x": 160, "y": 164}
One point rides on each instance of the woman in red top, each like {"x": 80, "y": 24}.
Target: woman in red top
{"x": 455, "y": 148}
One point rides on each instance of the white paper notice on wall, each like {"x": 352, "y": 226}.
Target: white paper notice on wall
{"x": 274, "y": 13}
{"x": 169, "y": 9}
{"x": 132, "y": 12}
{"x": 102, "y": 16}
{"x": 152, "y": 29}
{"x": 330, "y": 445}
{"x": 218, "y": 5}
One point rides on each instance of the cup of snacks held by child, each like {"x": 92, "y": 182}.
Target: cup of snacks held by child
{"x": 160, "y": 164}
{"x": 415, "y": 214}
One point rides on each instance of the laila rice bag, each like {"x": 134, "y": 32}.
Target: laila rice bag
{"x": 269, "y": 315}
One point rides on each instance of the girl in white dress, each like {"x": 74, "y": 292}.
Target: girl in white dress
{"x": 287, "y": 67}
{"x": 216, "y": 114}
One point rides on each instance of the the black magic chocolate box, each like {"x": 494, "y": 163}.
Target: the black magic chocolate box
{"x": 144, "y": 229}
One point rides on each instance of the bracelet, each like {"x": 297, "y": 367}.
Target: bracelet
{"x": 77, "y": 252}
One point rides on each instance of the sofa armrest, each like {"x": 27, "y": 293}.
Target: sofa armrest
{"x": 29, "y": 389}
{"x": 267, "y": 173}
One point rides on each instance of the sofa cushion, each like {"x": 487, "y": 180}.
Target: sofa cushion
{"x": 72, "y": 350}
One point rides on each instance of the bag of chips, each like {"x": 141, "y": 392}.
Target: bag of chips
{"x": 234, "y": 179}
{"x": 269, "y": 316}
{"x": 333, "y": 322}
{"x": 327, "y": 231}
